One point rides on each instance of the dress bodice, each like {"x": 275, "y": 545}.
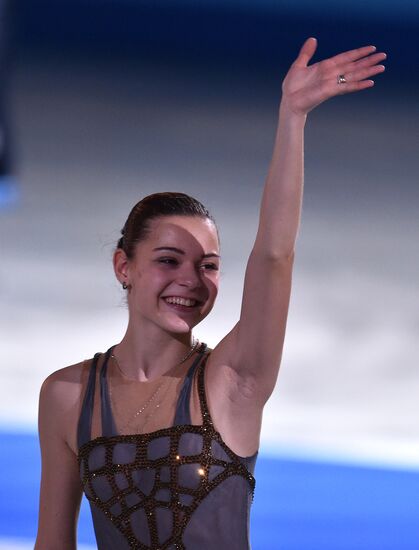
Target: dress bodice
{"x": 179, "y": 487}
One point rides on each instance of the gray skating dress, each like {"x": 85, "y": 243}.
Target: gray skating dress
{"x": 176, "y": 488}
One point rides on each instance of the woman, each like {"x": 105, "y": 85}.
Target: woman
{"x": 159, "y": 432}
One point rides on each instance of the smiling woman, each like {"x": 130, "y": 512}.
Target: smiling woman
{"x": 159, "y": 432}
{"x": 168, "y": 252}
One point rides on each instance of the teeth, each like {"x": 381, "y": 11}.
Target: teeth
{"x": 180, "y": 301}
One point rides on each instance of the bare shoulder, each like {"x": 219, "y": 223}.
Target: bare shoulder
{"x": 63, "y": 385}
{"x": 60, "y": 401}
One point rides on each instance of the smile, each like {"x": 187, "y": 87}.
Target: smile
{"x": 177, "y": 300}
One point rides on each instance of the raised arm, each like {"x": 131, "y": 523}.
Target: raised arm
{"x": 263, "y": 317}
{"x": 251, "y": 352}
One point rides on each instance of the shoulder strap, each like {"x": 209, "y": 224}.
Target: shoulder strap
{"x": 206, "y": 417}
{"x": 183, "y": 414}
{"x": 108, "y": 423}
{"x": 84, "y": 428}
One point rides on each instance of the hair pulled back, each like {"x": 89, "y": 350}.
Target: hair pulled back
{"x": 157, "y": 205}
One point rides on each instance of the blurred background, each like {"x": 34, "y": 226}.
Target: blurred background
{"x": 104, "y": 101}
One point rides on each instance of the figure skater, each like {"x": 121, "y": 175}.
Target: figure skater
{"x": 160, "y": 432}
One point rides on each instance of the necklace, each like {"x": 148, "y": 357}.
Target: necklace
{"x": 139, "y": 412}
{"x": 195, "y": 344}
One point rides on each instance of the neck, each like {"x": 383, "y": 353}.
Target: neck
{"x": 148, "y": 354}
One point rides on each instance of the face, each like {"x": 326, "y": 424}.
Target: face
{"x": 174, "y": 275}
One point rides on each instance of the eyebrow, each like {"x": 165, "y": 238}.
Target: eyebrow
{"x": 179, "y": 251}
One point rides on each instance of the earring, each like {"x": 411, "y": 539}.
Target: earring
{"x": 124, "y": 285}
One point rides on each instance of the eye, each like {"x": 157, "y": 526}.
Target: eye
{"x": 168, "y": 261}
{"x": 210, "y": 266}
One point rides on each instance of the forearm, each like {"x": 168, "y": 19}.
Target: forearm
{"x": 283, "y": 192}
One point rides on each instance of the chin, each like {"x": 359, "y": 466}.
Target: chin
{"x": 179, "y": 325}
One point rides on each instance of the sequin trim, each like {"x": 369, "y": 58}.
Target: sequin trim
{"x": 120, "y": 515}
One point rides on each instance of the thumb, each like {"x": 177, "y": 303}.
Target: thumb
{"x": 306, "y": 52}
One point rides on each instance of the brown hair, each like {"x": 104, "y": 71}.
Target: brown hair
{"x": 137, "y": 226}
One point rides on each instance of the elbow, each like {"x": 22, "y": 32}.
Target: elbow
{"x": 276, "y": 256}
{"x": 42, "y": 544}
{"x": 283, "y": 256}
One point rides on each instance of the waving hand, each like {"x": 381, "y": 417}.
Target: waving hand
{"x": 306, "y": 86}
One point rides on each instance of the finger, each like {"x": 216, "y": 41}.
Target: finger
{"x": 362, "y": 74}
{"x": 306, "y": 52}
{"x": 362, "y": 63}
{"x": 356, "y": 86}
{"x": 353, "y": 55}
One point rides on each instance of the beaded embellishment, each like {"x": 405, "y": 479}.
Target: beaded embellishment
{"x": 143, "y": 481}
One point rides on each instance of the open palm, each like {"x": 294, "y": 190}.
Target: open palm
{"x": 306, "y": 86}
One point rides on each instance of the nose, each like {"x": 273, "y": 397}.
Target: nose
{"x": 189, "y": 277}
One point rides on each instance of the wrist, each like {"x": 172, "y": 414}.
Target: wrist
{"x": 290, "y": 116}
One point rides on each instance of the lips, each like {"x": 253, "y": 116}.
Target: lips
{"x": 181, "y": 302}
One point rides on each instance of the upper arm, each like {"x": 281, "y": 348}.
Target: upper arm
{"x": 242, "y": 370}
{"x": 61, "y": 490}
{"x": 260, "y": 333}
{"x": 253, "y": 349}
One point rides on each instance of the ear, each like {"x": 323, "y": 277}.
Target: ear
{"x": 121, "y": 266}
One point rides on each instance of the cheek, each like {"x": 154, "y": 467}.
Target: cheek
{"x": 216, "y": 287}
{"x": 153, "y": 275}
{"x": 151, "y": 283}
{"x": 213, "y": 285}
